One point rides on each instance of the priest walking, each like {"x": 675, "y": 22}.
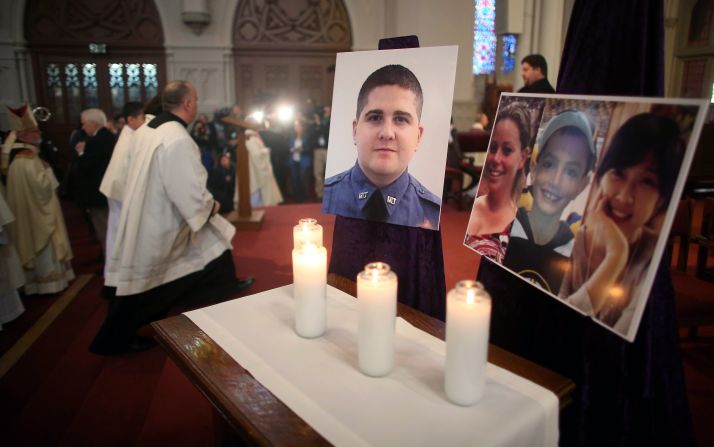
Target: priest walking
{"x": 171, "y": 245}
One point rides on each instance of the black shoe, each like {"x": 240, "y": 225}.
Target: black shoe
{"x": 139, "y": 344}
{"x": 243, "y": 283}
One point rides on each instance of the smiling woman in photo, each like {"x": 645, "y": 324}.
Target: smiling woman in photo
{"x": 613, "y": 250}
{"x": 503, "y": 176}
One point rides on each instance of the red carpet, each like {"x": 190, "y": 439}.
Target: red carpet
{"x": 60, "y": 394}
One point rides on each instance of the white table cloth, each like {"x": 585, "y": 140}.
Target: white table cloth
{"x": 319, "y": 380}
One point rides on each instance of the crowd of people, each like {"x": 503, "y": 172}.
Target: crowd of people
{"x": 287, "y": 156}
{"x": 153, "y": 187}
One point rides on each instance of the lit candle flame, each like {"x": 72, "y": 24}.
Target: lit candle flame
{"x": 470, "y": 296}
{"x": 375, "y": 275}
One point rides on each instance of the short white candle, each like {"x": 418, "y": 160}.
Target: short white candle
{"x": 307, "y": 231}
{"x": 310, "y": 279}
{"x": 377, "y": 309}
{"x": 468, "y": 313}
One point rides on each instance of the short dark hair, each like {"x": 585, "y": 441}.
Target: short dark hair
{"x": 153, "y": 107}
{"x": 174, "y": 94}
{"x": 398, "y": 75}
{"x": 132, "y": 108}
{"x": 641, "y": 136}
{"x": 537, "y": 61}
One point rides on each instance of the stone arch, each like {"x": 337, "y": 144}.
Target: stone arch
{"x": 286, "y": 49}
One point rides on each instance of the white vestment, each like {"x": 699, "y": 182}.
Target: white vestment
{"x": 113, "y": 184}
{"x": 38, "y": 234}
{"x": 264, "y": 190}
{"x": 11, "y": 274}
{"x": 164, "y": 230}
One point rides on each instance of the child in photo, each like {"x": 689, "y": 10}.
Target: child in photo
{"x": 612, "y": 251}
{"x": 540, "y": 240}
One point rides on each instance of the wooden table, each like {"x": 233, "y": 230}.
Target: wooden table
{"x": 259, "y": 418}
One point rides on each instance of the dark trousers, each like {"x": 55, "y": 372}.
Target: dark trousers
{"x": 214, "y": 283}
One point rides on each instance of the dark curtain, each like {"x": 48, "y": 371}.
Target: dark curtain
{"x": 627, "y": 393}
{"x": 614, "y": 48}
{"x": 414, "y": 254}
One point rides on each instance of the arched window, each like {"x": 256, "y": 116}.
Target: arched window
{"x": 93, "y": 53}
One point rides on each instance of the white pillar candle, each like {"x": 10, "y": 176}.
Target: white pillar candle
{"x": 377, "y": 309}
{"x": 307, "y": 231}
{"x": 468, "y": 313}
{"x": 309, "y": 283}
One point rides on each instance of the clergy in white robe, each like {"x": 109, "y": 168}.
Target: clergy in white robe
{"x": 11, "y": 274}
{"x": 171, "y": 245}
{"x": 264, "y": 190}
{"x": 38, "y": 233}
{"x": 114, "y": 179}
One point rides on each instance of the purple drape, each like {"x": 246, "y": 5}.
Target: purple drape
{"x": 614, "y": 47}
{"x": 415, "y": 254}
{"x": 627, "y": 393}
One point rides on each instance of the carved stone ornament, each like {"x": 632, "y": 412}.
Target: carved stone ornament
{"x": 299, "y": 24}
{"x": 125, "y": 23}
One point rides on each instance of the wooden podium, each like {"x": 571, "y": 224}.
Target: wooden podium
{"x": 245, "y": 218}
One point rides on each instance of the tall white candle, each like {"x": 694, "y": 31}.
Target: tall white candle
{"x": 468, "y": 313}
{"x": 307, "y": 231}
{"x": 377, "y": 309}
{"x": 310, "y": 279}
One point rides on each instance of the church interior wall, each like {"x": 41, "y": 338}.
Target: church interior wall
{"x": 206, "y": 59}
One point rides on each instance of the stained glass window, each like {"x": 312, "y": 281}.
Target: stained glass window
{"x": 71, "y": 81}
{"x": 116, "y": 86}
{"x": 509, "y": 53}
{"x": 54, "y": 90}
{"x": 133, "y": 82}
{"x": 151, "y": 82}
{"x": 53, "y": 75}
{"x": 71, "y": 75}
{"x": 484, "y": 37}
{"x": 89, "y": 81}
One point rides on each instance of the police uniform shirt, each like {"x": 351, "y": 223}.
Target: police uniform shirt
{"x": 406, "y": 200}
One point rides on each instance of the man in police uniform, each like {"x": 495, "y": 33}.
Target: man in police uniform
{"x": 387, "y": 130}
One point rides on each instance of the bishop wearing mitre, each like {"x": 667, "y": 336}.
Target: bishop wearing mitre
{"x": 38, "y": 232}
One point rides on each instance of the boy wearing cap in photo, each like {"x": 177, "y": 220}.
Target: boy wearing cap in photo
{"x": 540, "y": 242}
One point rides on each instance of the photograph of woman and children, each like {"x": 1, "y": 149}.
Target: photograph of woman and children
{"x": 577, "y": 196}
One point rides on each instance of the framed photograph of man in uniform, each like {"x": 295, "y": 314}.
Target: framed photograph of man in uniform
{"x": 389, "y": 133}
{"x": 578, "y": 194}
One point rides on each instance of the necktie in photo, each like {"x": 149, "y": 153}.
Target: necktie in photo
{"x": 375, "y": 209}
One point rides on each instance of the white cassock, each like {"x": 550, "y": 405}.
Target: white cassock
{"x": 164, "y": 230}
{"x": 264, "y": 190}
{"x": 114, "y": 181}
{"x": 38, "y": 234}
{"x": 11, "y": 274}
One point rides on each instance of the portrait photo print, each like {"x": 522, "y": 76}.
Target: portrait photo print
{"x": 389, "y": 134}
{"x": 578, "y": 194}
